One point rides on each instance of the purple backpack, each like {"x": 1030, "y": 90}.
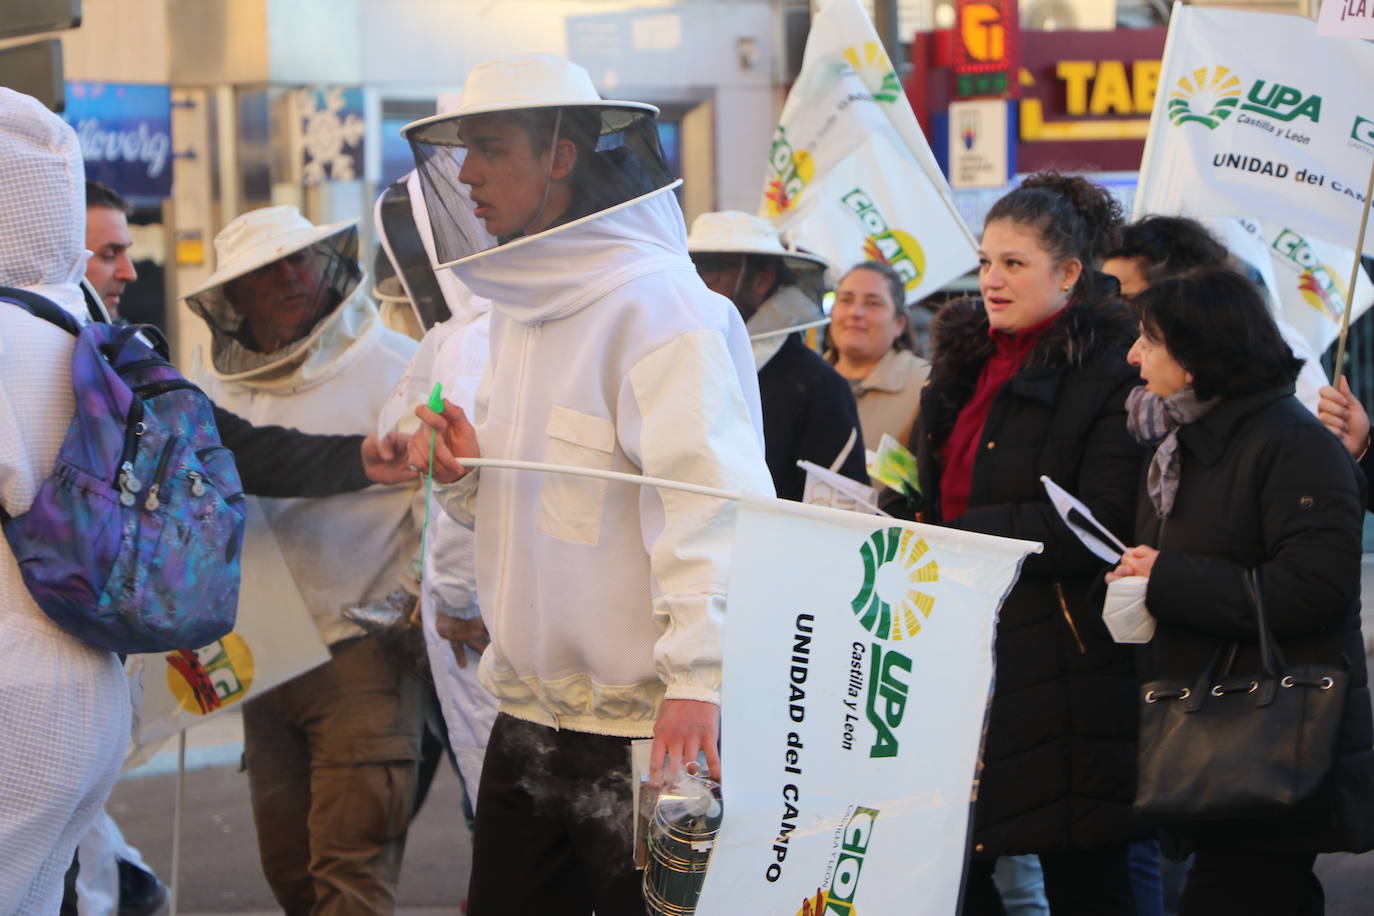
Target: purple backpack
{"x": 132, "y": 543}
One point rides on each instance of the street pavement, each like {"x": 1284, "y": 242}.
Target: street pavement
{"x": 219, "y": 868}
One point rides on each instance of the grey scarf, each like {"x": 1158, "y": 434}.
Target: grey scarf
{"x": 1154, "y": 420}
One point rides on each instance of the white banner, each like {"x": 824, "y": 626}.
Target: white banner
{"x": 1347, "y": 18}
{"x": 1307, "y": 276}
{"x": 1258, "y": 116}
{"x": 274, "y": 639}
{"x": 850, "y": 176}
{"x": 858, "y": 664}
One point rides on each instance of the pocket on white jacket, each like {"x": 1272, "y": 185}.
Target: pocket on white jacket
{"x": 570, "y": 508}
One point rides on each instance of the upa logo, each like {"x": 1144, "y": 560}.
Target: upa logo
{"x": 1207, "y": 97}
{"x": 1362, "y": 132}
{"x": 1282, "y": 103}
{"x": 1316, "y": 281}
{"x": 206, "y": 679}
{"x": 875, "y": 69}
{"x": 893, "y": 247}
{"x": 838, "y": 897}
{"x": 890, "y": 603}
{"x": 789, "y": 174}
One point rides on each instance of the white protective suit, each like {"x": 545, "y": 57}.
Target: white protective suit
{"x": 453, "y": 353}
{"x": 64, "y": 704}
{"x": 355, "y": 547}
{"x": 608, "y": 352}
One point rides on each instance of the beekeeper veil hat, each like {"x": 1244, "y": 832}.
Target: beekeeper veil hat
{"x": 543, "y": 151}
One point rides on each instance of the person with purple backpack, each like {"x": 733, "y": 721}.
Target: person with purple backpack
{"x": 64, "y": 712}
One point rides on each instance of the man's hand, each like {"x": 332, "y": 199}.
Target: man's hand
{"x": 683, "y": 730}
{"x": 463, "y": 635}
{"x": 1138, "y": 561}
{"x": 1345, "y": 416}
{"x": 456, "y": 439}
{"x": 384, "y": 460}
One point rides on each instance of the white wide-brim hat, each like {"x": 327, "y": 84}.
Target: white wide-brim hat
{"x": 737, "y": 232}
{"x": 526, "y": 81}
{"x": 259, "y": 237}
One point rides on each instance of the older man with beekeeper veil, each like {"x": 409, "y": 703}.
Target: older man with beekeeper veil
{"x": 331, "y": 753}
{"x": 605, "y": 601}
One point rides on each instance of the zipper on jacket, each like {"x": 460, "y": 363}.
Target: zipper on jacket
{"x": 152, "y": 502}
{"x": 510, "y": 491}
{"x": 1068, "y": 618}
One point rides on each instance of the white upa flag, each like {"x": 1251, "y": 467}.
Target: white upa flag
{"x": 1258, "y": 116}
{"x": 1301, "y": 289}
{"x": 1308, "y": 279}
{"x": 273, "y": 640}
{"x": 850, "y": 175}
{"x": 858, "y": 667}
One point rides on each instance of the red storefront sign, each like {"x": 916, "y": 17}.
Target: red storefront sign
{"x": 985, "y": 48}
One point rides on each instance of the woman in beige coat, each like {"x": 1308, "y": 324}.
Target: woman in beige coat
{"x": 869, "y": 346}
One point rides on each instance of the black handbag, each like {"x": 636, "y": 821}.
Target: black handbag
{"x": 1224, "y": 746}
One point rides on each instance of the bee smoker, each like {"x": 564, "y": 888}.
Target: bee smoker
{"x": 679, "y": 836}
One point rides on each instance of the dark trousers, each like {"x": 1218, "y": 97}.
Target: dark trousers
{"x": 554, "y": 825}
{"x": 1092, "y": 882}
{"x": 1249, "y": 883}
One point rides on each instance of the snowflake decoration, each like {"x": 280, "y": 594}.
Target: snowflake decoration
{"x": 328, "y": 135}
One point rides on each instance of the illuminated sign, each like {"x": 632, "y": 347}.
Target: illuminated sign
{"x": 985, "y": 48}
{"x": 1086, "y": 98}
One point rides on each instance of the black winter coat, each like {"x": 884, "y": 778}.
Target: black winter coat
{"x": 808, "y": 413}
{"x": 1059, "y": 753}
{"x": 1263, "y": 483}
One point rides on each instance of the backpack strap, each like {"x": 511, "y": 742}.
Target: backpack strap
{"x": 94, "y": 306}
{"x": 41, "y": 307}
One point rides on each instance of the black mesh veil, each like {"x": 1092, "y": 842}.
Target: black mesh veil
{"x": 404, "y": 258}
{"x": 618, "y": 159}
{"x": 267, "y": 313}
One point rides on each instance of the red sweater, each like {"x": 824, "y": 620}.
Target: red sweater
{"x": 961, "y": 448}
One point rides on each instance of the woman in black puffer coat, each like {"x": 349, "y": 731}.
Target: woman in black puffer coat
{"x": 1032, "y": 380}
{"x": 1245, "y": 477}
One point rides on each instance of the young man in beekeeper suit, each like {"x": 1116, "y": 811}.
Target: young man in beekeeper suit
{"x": 605, "y": 601}
{"x": 331, "y": 753}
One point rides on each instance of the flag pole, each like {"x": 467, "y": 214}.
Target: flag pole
{"x": 1354, "y": 275}
{"x": 785, "y": 506}
{"x": 176, "y": 823}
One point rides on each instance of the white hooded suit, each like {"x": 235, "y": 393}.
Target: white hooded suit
{"x": 603, "y": 599}
{"x": 64, "y": 704}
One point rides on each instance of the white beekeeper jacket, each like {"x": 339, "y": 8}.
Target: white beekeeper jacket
{"x": 355, "y": 547}
{"x": 64, "y": 704}
{"x": 608, "y": 352}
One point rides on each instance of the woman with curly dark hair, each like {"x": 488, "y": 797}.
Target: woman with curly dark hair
{"x": 1032, "y": 380}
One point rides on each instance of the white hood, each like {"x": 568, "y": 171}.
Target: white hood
{"x": 42, "y": 202}
{"x": 556, "y": 274}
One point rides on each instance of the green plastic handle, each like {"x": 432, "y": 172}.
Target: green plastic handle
{"x": 436, "y": 398}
